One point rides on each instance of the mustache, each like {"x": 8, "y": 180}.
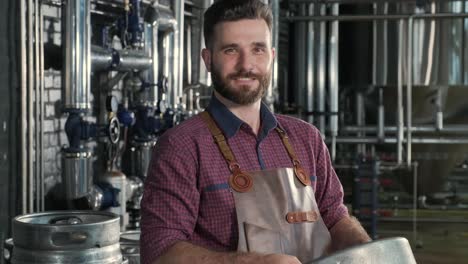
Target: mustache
{"x": 244, "y": 74}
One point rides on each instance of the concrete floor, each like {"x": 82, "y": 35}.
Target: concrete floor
{"x": 441, "y": 238}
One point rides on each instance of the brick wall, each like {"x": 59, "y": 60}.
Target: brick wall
{"x": 54, "y": 121}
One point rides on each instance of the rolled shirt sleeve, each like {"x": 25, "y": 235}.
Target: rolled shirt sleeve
{"x": 329, "y": 193}
{"x": 169, "y": 207}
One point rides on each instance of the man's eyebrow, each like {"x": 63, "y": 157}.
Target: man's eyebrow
{"x": 259, "y": 44}
{"x": 231, "y": 45}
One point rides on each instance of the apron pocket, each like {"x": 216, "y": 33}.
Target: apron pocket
{"x": 262, "y": 240}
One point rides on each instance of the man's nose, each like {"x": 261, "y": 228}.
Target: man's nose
{"x": 245, "y": 62}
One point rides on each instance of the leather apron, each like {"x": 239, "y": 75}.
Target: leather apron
{"x": 276, "y": 209}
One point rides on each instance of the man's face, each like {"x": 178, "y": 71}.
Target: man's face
{"x": 240, "y": 60}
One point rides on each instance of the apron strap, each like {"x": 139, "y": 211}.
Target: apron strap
{"x": 244, "y": 179}
{"x": 239, "y": 180}
{"x": 287, "y": 145}
{"x": 298, "y": 169}
{"x": 219, "y": 138}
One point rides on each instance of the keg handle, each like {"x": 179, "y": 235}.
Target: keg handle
{"x": 68, "y": 239}
{"x": 69, "y": 220}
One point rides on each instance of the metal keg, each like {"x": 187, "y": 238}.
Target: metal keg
{"x": 130, "y": 246}
{"x": 385, "y": 251}
{"x": 67, "y": 237}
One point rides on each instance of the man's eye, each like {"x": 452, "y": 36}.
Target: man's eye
{"x": 230, "y": 51}
{"x": 259, "y": 50}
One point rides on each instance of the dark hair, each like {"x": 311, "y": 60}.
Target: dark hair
{"x": 234, "y": 10}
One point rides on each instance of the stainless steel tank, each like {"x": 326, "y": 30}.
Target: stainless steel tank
{"x": 130, "y": 246}
{"x": 438, "y": 65}
{"x": 141, "y": 157}
{"x": 437, "y": 54}
{"x": 67, "y": 237}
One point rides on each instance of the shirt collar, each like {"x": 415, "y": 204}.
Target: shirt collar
{"x": 230, "y": 124}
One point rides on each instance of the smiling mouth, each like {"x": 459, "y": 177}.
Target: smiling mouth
{"x": 244, "y": 78}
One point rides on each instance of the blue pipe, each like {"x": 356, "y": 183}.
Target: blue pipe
{"x": 77, "y": 129}
{"x": 146, "y": 125}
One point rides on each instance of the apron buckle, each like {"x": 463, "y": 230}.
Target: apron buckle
{"x": 300, "y": 217}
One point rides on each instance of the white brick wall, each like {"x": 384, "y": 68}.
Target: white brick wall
{"x": 53, "y": 127}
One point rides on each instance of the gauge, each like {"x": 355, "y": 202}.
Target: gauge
{"x": 112, "y": 104}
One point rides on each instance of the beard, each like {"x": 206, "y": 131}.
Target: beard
{"x": 245, "y": 95}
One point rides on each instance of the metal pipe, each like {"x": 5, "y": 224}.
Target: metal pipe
{"x": 381, "y": 117}
{"x": 41, "y": 100}
{"x": 23, "y": 122}
{"x": 189, "y": 53}
{"x": 273, "y": 88}
{"x": 178, "y": 53}
{"x": 168, "y": 25}
{"x": 168, "y": 61}
{"x": 122, "y": 60}
{"x": 385, "y": 47}
{"x": 152, "y": 50}
{"x": 350, "y": 18}
{"x": 380, "y": 47}
{"x": 76, "y": 21}
{"x": 76, "y": 93}
{"x": 300, "y": 33}
{"x": 204, "y": 75}
{"x": 400, "y": 92}
{"x": 37, "y": 130}
{"x": 409, "y": 89}
{"x": 76, "y": 174}
{"x": 455, "y": 129}
{"x": 374, "y": 46}
{"x": 439, "y": 125}
{"x": 333, "y": 79}
{"x": 360, "y": 120}
{"x": 310, "y": 85}
{"x": 31, "y": 85}
{"x": 415, "y": 140}
{"x": 431, "y": 46}
{"x": 415, "y": 200}
{"x": 321, "y": 78}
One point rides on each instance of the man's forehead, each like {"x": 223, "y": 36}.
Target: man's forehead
{"x": 256, "y": 29}
{"x": 240, "y": 22}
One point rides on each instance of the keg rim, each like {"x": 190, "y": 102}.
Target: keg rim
{"x": 18, "y": 220}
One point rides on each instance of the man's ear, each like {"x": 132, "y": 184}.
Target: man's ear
{"x": 206, "y": 56}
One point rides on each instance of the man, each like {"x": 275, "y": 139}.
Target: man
{"x": 239, "y": 184}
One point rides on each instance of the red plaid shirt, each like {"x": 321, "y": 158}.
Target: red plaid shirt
{"x": 186, "y": 196}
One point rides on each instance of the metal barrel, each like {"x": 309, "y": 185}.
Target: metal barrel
{"x": 67, "y": 237}
{"x": 130, "y": 246}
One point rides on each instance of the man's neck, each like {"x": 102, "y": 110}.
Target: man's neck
{"x": 250, "y": 114}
